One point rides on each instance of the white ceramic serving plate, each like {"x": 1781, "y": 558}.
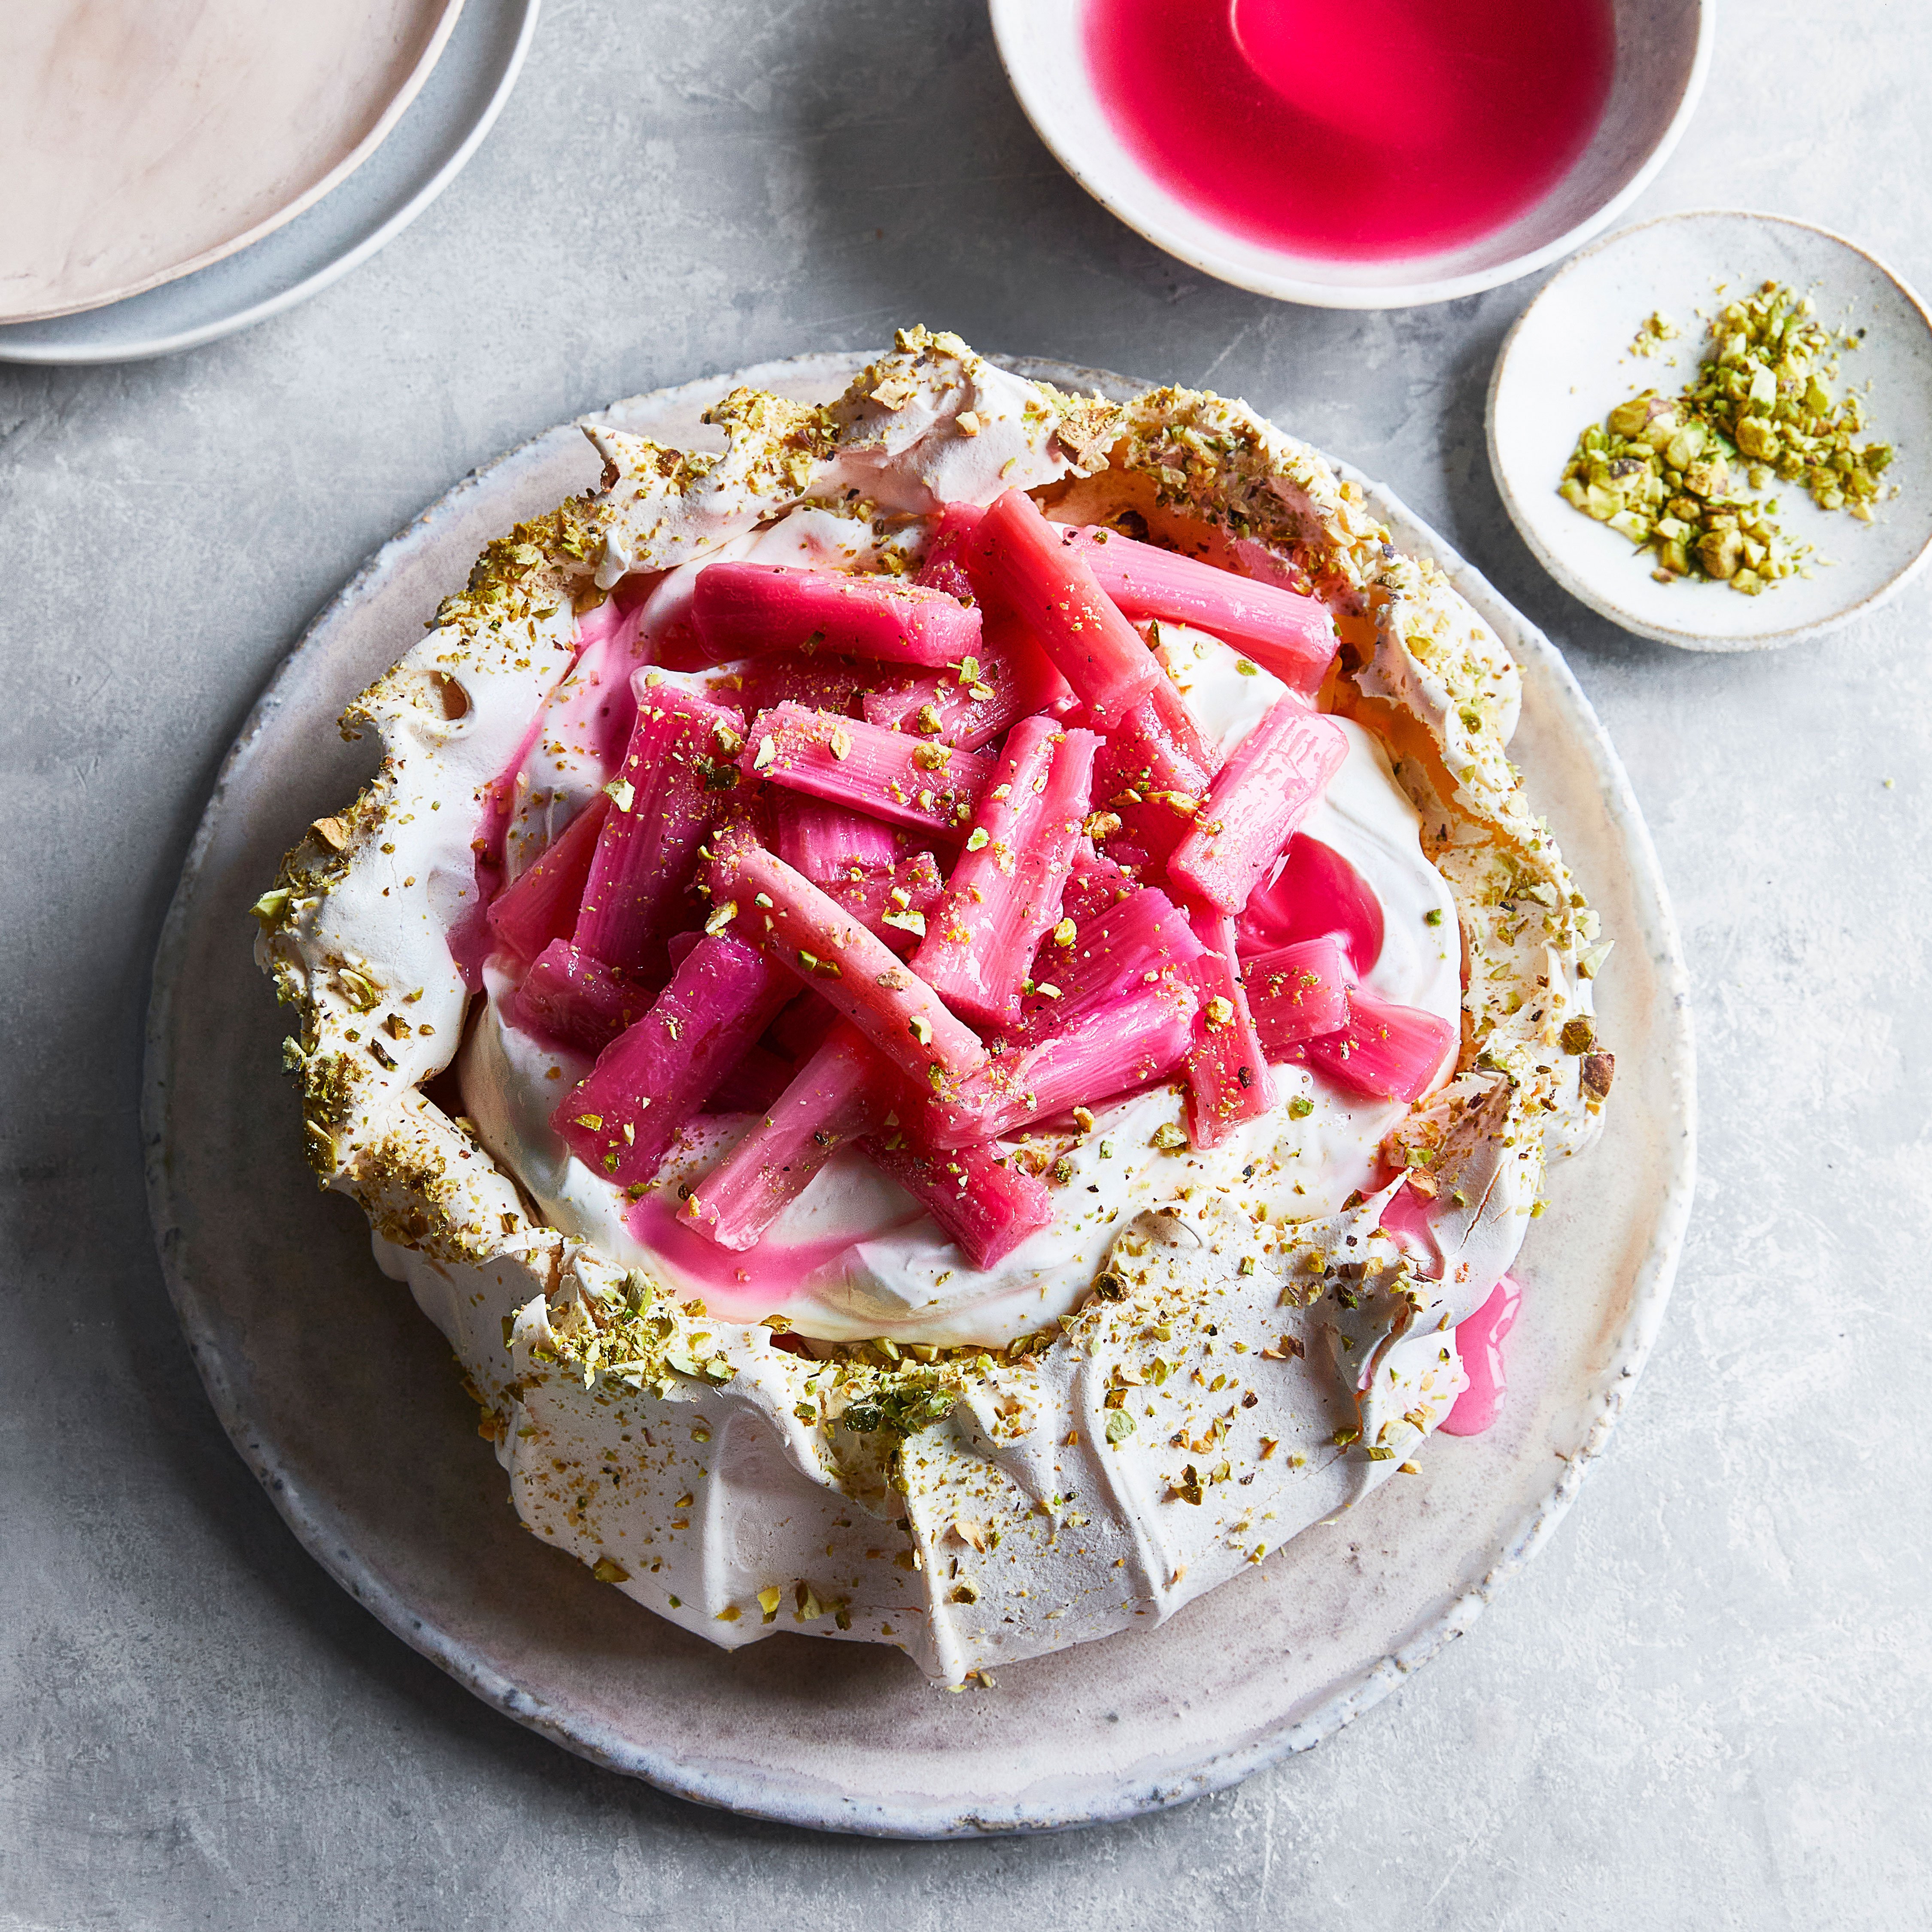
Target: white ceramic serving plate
{"x": 343, "y": 1400}
{"x": 1568, "y": 362}
{"x": 1662, "y": 54}
{"x": 444, "y": 125}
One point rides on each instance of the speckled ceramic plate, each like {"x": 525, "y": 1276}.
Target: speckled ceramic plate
{"x": 343, "y": 1400}
{"x": 1568, "y": 362}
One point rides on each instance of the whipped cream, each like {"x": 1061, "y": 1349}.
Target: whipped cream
{"x": 855, "y": 1257}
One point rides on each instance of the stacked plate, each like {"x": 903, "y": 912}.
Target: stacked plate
{"x": 181, "y": 169}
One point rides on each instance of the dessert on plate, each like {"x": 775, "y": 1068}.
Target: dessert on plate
{"x": 954, "y": 1006}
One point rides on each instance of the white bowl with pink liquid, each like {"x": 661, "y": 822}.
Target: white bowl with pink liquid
{"x": 1360, "y": 153}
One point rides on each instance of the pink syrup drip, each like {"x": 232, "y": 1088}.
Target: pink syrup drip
{"x": 766, "y": 1275}
{"x": 1406, "y": 1217}
{"x": 1353, "y": 130}
{"x": 1479, "y": 1341}
{"x": 1315, "y": 892}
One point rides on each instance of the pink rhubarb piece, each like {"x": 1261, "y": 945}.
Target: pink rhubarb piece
{"x": 1292, "y": 636}
{"x": 814, "y": 937}
{"x": 819, "y": 683}
{"x": 678, "y": 764}
{"x": 883, "y": 774}
{"x": 1114, "y": 950}
{"x": 843, "y": 1091}
{"x": 1274, "y": 779}
{"x": 1297, "y": 993}
{"x": 1102, "y": 1054}
{"x": 1227, "y": 1080}
{"x": 622, "y": 1118}
{"x": 825, "y": 841}
{"x": 949, "y": 563}
{"x": 1156, "y": 770}
{"x": 972, "y": 704}
{"x": 742, "y": 609}
{"x": 979, "y": 1197}
{"x": 1045, "y": 579}
{"x": 895, "y": 903}
{"x": 578, "y": 1001}
{"x": 542, "y": 904}
{"x": 1005, "y": 890}
{"x": 1390, "y": 1052}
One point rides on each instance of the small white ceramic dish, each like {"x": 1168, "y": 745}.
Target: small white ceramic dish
{"x": 1663, "y": 53}
{"x": 443, "y": 126}
{"x": 341, "y": 1396}
{"x": 1568, "y": 362}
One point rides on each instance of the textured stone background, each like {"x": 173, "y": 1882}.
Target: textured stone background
{"x": 1707, "y": 1705}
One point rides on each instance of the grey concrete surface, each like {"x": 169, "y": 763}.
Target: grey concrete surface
{"x": 1709, "y": 1704}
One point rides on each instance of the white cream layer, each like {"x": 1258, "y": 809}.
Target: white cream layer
{"x": 853, "y": 1257}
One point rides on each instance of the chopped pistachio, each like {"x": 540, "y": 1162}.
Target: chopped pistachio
{"x": 1660, "y": 470}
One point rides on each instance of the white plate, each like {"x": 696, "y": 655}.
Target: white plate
{"x": 343, "y": 1400}
{"x": 1566, "y": 364}
{"x": 426, "y": 149}
{"x": 1663, "y": 50}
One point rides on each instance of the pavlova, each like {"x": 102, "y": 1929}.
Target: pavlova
{"x": 956, "y": 1009}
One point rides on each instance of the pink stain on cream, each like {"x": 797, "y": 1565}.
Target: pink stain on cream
{"x": 784, "y": 1269}
{"x": 1479, "y": 1341}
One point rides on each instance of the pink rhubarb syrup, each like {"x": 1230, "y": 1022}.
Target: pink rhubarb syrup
{"x": 1364, "y": 129}
{"x": 1479, "y": 1341}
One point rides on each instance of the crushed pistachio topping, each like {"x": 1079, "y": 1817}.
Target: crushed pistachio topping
{"x": 1684, "y": 476}
{"x": 1654, "y": 333}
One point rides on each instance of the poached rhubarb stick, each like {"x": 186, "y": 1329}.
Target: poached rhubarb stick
{"x": 1097, "y": 883}
{"x": 819, "y": 683}
{"x": 622, "y": 1118}
{"x": 893, "y": 903}
{"x": 843, "y": 1091}
{"x": 824, "y": 841}
{"x": 814, "y": 937}
{"x": 1049, "y": 586}
{"x": 970, "y": 704}
{"x": 1105, "y": 1051}
{"x": 1297, "y": 993}
{"x": 1390, "y": 1052}
{"x": 978, "y": 1195}
{"x": 1005, "y": 891}
{"x": 742, "y": 609}
{"x": 1126, "y": 944}
{"x": 1156, "y": 769}
{"x": 1294, "y": 637}
{"x": 680, "y": 758}
{"x": 541, "y": 903}
{"x": 1277, "y": 774}
{"x": 949, "y": 564}
{"x": 1227, "y": 1080}
{"x": 577, "y": 999}
{"x": 884, "y": 774}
